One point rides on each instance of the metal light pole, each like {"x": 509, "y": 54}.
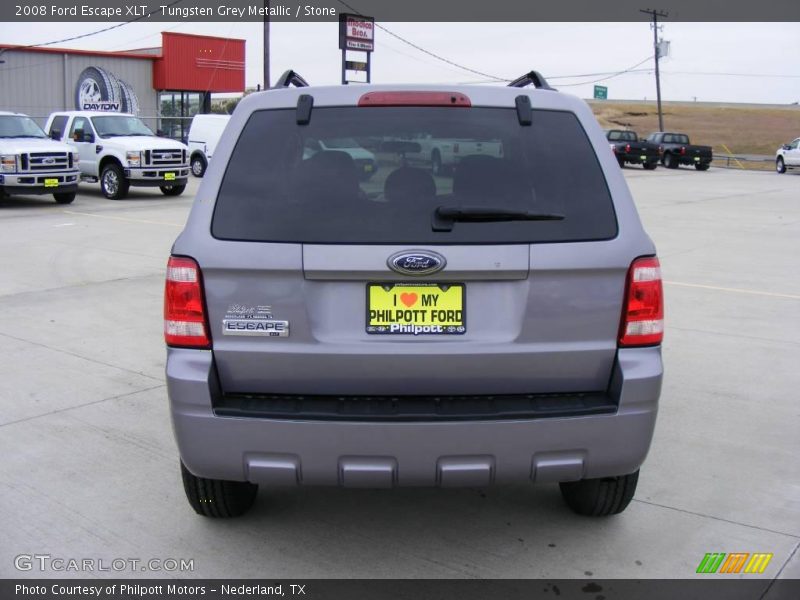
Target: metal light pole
{"x": 266, "y": 45}
{"x": 656, "y": 14}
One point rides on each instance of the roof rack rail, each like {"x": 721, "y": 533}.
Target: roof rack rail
{"x": 290, "y": 77}
{"x": 533, "y": 77}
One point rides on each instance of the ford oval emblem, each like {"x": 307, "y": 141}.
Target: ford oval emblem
{"x": 416, "y": 262}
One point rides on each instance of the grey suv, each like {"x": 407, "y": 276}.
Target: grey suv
{"x": 497, "y": 323}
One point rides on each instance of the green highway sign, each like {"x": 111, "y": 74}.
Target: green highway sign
{"x": 600, "y": 92}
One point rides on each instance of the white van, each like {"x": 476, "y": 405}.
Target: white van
{"x": 203, "y": 137}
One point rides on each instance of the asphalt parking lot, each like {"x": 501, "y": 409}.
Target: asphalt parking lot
{"x": 90, "y": 468}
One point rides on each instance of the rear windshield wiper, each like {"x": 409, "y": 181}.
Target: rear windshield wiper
{"x": 445, "y": 216}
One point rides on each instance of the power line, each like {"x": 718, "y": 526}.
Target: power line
{"x": 617, "y": 74}
{"x": 424, "y": 61}
{"x": 428, "y": 52}
{"x": 632, "y": 70}
{"x": 436, "y": 56}
{"x": 493, "y": 78}
{"x": 125, "y": 47}
{"x": 704, "y": 73}
{"x": 85, "y": 35}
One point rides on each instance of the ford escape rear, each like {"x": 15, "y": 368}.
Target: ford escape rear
{"x": 495, "y": 324}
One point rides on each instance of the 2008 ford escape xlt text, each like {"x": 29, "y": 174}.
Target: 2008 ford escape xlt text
{"x": 342, "y": 308}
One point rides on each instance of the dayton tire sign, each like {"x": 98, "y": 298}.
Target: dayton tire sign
{"x": 98, "y": 89}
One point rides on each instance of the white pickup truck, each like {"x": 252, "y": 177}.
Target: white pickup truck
{"x": 443, "y": 154}
{"x": 30, "y": 163}
{"x": 119, "y": 151}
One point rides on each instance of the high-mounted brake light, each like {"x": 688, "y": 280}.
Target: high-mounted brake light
{"x": 414, "y": 99}
{"x": 643, "y": 311}
{"x": 185, "y": 322}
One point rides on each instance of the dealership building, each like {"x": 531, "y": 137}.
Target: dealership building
{"x": 164, "y": 86}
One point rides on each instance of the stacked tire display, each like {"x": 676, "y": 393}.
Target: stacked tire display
{"x": 95, "y": 84}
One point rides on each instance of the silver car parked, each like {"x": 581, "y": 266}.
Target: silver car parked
{"x": 497, "y": 324}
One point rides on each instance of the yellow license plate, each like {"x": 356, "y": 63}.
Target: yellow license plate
{"x": 415, "y": 309}
{"x": 368, "y": 168}
{"x": 49, "y": 182}
{"x": 169, "y": 176}
{"x": 642, "y": 157}
{"x": 697, "y": 158}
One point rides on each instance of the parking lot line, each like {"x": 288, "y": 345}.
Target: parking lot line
{"x": 145, "y": 221}
{"x": 735, "y": 290}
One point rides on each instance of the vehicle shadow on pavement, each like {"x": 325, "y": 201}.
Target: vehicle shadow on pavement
{"x": 142, "y": 193}
{"x": 30, "y": 202}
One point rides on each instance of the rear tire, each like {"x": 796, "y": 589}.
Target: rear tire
{"x": 670, "y": 161}
{"x": 600, "y": 497}
{"x": 198, "y": 165}
{"x": 96, "y": 85}
{"x": 113, "y": 183}
{"x": 780, "y": 166}
{"x": 217, "y": 498}
{"x": 172, "y": 190}
{"x": 64, "y": 197}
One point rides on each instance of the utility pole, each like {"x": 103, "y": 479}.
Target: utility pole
{"x": 656, "y": 14}
{"x": 266, "y": 45}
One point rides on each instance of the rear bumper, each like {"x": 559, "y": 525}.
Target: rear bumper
{"x": 637, "y": 158}
{"x": 420, "y": 453}
{"x": 700, "y": 160}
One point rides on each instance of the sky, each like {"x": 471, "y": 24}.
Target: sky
{"x": 709, "y": 62}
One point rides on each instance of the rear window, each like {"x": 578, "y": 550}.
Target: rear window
{"x": 624, "y": 136}
{"x": 676, "y": 138}
{"x": 376, "y": 176}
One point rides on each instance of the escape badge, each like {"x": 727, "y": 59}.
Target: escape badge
{"x": 253, "y": 320}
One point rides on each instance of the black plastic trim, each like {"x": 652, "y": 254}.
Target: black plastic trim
{"x": 531, "y": 77}
{"x": 524, "y": 110}
{"x": 290, "y": 78}
{"x": 413, "y": 408}
{"x": 304, "y": 105}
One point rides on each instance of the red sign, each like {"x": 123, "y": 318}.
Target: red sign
{"x": 356, "y": 33}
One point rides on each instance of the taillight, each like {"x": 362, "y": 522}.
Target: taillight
{"x": 185, "y": 322}
{"x": 414, "y": 99}
{"x": 627, "y": 147}
{"x": 661, "y": 149}
{"x": 683, "y": 149}
{"x": 643, "y": 311}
